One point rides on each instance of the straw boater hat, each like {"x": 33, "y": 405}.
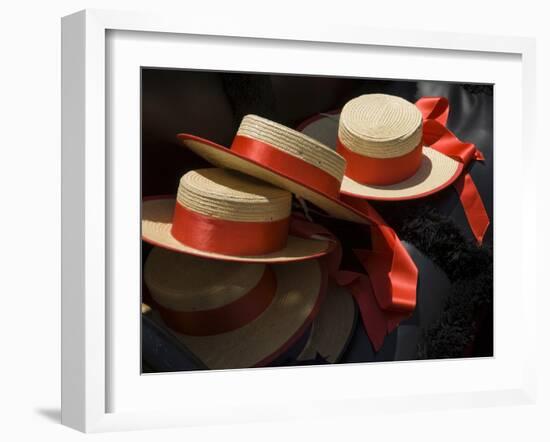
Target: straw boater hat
{"x": 381, "y": 138}
{"x": 221, "y": 214}
{"x": 290, "y": 160}
{"x": 246, "y": 316}
{"x": 324, "y": 341}
{"x": 285, "y": 158}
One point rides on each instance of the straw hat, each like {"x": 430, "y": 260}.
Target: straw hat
{"x": 333, "y": 327}
{"x": 221, "y": 214}
{"x": 246, "y": 316}
{"x": 381, "y": 138}
{"x": 285, "y": 158}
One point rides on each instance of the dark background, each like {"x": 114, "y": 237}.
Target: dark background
{"x": 455, "y": 285}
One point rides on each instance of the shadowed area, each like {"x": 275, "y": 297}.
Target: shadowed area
{"x": 51, "y": 414}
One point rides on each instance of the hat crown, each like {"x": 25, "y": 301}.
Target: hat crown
{"x": 230, "y": 195}
{"x": 293, "y": 143}
{"x": 183, "y": 282}
{"x": 380, "y": 126}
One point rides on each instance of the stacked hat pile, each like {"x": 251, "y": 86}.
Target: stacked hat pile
{"x": 238, "y": 279}
{"x": 241, "y": 281}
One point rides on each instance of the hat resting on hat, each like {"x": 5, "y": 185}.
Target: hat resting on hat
{"x": 299, "y": 164}
{"x": 222, "y": 214}
{"x": 284, "y": 158}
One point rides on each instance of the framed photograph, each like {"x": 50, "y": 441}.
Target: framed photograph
{"x": 251, "y": 212}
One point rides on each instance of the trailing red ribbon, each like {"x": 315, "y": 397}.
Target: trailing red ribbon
{"x": 379, "y": 171}
{"x": 225, "y": 318}
{"x": 286, "y": 164}
{"x": 392, "y": 271}
{"x": 228, "y": 237}
{"x": 385, "y": 296}
{"x": 435, "y": 111}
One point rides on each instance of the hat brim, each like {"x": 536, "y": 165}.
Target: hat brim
{"x": 156, "y": 229}
{"x": 295, "y": 305}
{"x": 223, "y": 157}
{"x": 333, "y": 327}
{"x": 436, "y": 172}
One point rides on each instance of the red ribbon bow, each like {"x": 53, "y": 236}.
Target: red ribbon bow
{"x": 435, "y": 111}
{"x": 387, "y": 295}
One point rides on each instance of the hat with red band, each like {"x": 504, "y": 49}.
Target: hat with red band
{"x": 396, "y": 150}
{"x": 285, "y": 158}
{"x": 381, "y": 138}
{"x": 290, "y": 160}
{"x": 248, "y": 315}
{"x": 221, "y": 214}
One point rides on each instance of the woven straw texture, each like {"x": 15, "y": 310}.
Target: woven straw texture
{"x": 229, "y": 195}
{"x": 293, "y": 303}
{"x": 183, "y": 282}
{"x": 380, "y": 126}
{"x": 156, "y": 226}
{"x": 222, "y": 157}
{"x": 293, "y": 143}
{"x": 436, "y": 171}
{"x": 332, "y": 328}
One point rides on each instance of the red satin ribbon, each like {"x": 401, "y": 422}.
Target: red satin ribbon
{"x": 435, "y": 111}
{"x": 391, "y": 269}
{"x": 388, "y": 294}
{"x": 228, "y": 317}
{"x": 286, "y": 164}
{"x": 380, "y": 171}
{"x": 393, "y": 273}
{"x": 228, "y": 237}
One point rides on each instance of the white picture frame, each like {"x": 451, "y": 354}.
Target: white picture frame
{"x": 101, "y": 47}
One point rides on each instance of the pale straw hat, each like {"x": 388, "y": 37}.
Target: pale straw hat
{"x": 246, "y": 316}
{"x": 285, "y": 158}
{"x": 221, "y": 214}
{"x": 381, "y": 138}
